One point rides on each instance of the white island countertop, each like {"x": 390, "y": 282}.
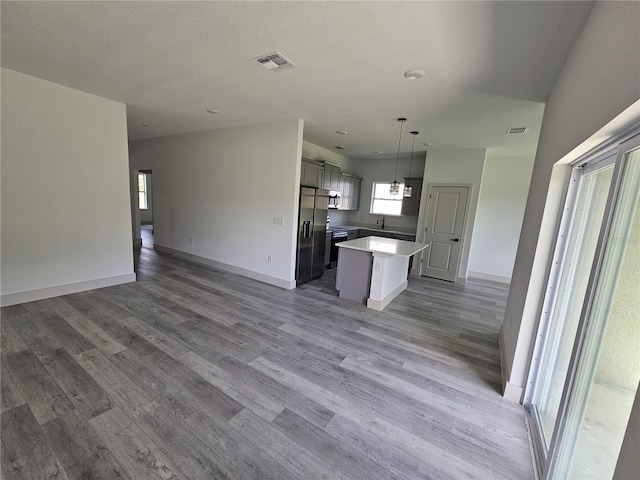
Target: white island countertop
{"x": 389, "y": 246}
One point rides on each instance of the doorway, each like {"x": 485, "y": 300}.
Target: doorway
{"x": 145, "y": 206}
{"x": 446, "y": 216}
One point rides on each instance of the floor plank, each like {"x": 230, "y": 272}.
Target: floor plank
{"x": 26, "y": 454}
{"x": 135, "y": 451}
{"x": 193, "y": 372}
{"x": 292, "y": 455}
{"x": 81, "y": 452}
{"x": 9, "y": 392}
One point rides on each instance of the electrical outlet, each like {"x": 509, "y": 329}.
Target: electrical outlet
{"x": 269, "y": 259}
{"x": 278, "y": 221}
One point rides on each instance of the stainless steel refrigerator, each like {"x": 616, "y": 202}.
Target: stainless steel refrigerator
{"x": 312, "y": 231}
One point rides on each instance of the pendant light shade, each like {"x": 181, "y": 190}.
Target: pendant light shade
{"x": 394, "y": 188}
{"x": 408, "y": 189}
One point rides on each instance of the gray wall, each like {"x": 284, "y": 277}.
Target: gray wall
{"x": 62, "y": 231}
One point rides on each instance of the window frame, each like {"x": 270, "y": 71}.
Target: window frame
{"x": 399, "y": 198}
{"x": 144, "y": 191}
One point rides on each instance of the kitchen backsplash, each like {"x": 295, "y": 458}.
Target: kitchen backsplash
{"x": 360, "y": 217}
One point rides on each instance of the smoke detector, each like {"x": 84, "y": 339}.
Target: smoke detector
{"x": 274, "y": 61}
{"x": 517, "y": 130}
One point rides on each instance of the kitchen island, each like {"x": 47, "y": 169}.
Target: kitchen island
{"x": 374, "y": 270}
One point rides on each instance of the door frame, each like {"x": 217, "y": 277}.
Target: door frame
{"x": 465, "y": 242}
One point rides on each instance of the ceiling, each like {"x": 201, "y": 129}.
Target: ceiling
{"x": 489, "y": 66}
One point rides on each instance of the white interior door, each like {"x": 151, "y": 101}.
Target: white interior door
{"x": 443, "y": 231}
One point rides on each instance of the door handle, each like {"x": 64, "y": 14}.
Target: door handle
{"x": 455, "y": 239}
{"x": 306, "y": 227}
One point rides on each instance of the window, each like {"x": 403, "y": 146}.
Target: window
{"x": 383, "y": 202}
{"x": 142, "y": 191}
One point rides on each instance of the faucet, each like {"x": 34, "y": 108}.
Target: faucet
{"x": 378, "y": 220}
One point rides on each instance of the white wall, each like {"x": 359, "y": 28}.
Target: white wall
{"x": 223, "y": 189}
{"x": 382, "y": 170}
{"x": 598, "y": 82}
{"x": 64, "y": 159}
{"x": 460, "y": 167}
{"x": 503, "y": 196}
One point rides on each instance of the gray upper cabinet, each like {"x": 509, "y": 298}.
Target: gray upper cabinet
{"x": 349, "y": 192}
{"x": 311, "y": 174}
{"x": 411, "y": 205}
{"x": 331, "y": 177}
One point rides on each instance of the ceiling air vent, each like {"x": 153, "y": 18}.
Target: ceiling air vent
{"x": 275, "y": 61}
{"x": 517, "y": 131}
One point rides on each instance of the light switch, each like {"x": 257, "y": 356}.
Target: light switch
{"x": 277, "y": 221}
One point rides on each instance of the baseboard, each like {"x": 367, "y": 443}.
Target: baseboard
{"x": 513, "y": 392}
{"x": 509, "y": 390}
{"x": 278, "y": 282}
{"x": 491, "y": 277}
{"x": 461, "y": 280}
{"x": 380, "y": 304}
{"x": 8, "y": 299}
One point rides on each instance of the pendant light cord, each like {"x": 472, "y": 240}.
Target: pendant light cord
{"x": 395, "y": 177}
{"x": 412, "y": 145}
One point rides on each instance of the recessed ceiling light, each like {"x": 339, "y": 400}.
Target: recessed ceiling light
{"x": 414, "y": 74}
{"x": 338, "y": 147}
{"x": 378, "y": 153}
{"x": 426, "y": 144}
{"x": 341, "y": 132}
{"x": 211, "y": 110}
{"x": 144, "y": 124}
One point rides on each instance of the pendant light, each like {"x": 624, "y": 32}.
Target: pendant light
{"x": 408, "y": 189}
{"x": 394, "y": 188}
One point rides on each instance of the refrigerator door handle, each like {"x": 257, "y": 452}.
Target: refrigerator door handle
{"x": 306, "y": 229}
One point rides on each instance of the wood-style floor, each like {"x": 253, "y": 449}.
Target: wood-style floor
{"x": 196, "y": 373}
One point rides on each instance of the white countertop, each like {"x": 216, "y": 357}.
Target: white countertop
{"x": 389, "y": 246}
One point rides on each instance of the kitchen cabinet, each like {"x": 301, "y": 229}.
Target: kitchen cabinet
{"x": 411, "y": 205}
{"x": 349, "y": 192}
{"x": 331, "y": 179}
{"x": 311, "y": 174}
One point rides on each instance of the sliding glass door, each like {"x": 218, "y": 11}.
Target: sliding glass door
{"x": 583, "y": 233}
{"x": 588, "y": 351}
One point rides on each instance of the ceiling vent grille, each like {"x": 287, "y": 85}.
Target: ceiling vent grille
{"x": 275, "y": 61}
{"x": 517, "y": 131}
